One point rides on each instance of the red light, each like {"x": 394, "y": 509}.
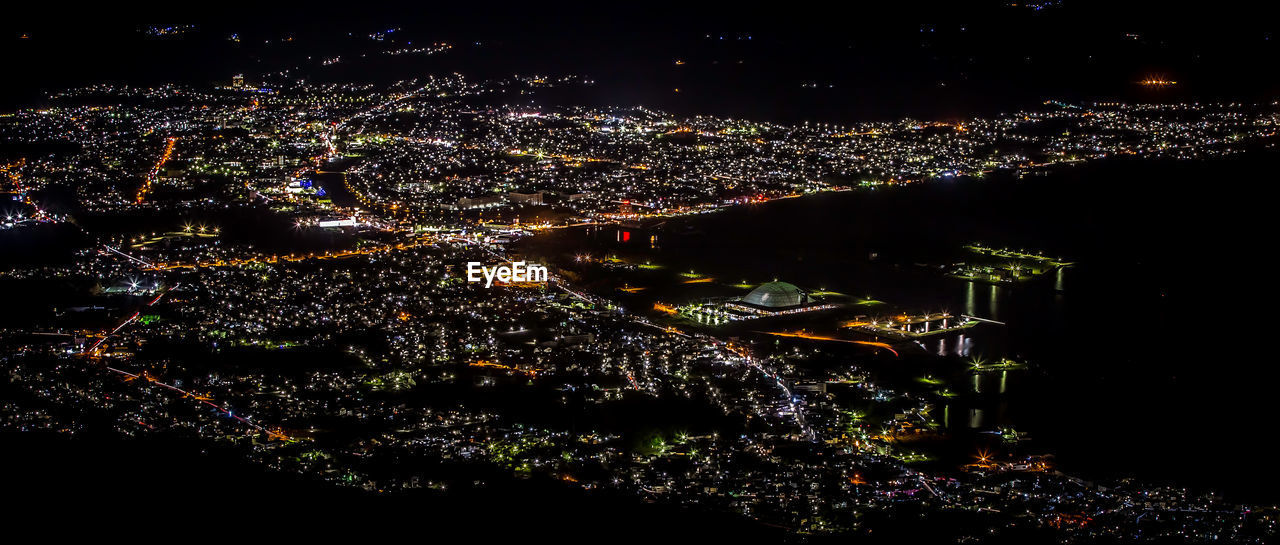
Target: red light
{"x": 626, "y": 235}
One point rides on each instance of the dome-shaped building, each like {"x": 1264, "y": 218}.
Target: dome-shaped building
{"x": 776, "y": 295}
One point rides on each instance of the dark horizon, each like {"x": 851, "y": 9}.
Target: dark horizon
{"x": 863, "y": 64}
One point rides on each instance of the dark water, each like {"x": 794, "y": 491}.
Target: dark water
{"x": 335, "y": 188}
{"x": 1152, "y": 359}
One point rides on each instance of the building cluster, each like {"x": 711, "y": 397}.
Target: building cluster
{"x": 369, "y": 361}
{"x": 437, "y": 147}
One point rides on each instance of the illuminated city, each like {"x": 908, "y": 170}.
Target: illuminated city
{"x": 920, "y": 283}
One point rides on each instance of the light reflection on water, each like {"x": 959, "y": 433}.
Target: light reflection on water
{"x": 907, "y": 290}
{"x": 993, "y": 305}
{"x": 959, "y": 345}
{"x": 989, "y": 407}
{"x": 1107, "y": 345}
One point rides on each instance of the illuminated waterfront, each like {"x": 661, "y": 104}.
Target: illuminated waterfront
{"x": 1083, "y": 365}
{"x": 925, "y": 281}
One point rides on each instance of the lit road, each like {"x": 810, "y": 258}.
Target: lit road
{"x": 92, "y": 352}
{"x": 165, "y": 155}
{"x": 803, "y": 335}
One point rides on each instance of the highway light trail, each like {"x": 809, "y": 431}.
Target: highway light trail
{"x": 165, "y": 155}
{"x": 129, "y": 257}
{"x": 92, "y": 352}
{"x": 274, "y": 434}
{"x": 812, "y": 337}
